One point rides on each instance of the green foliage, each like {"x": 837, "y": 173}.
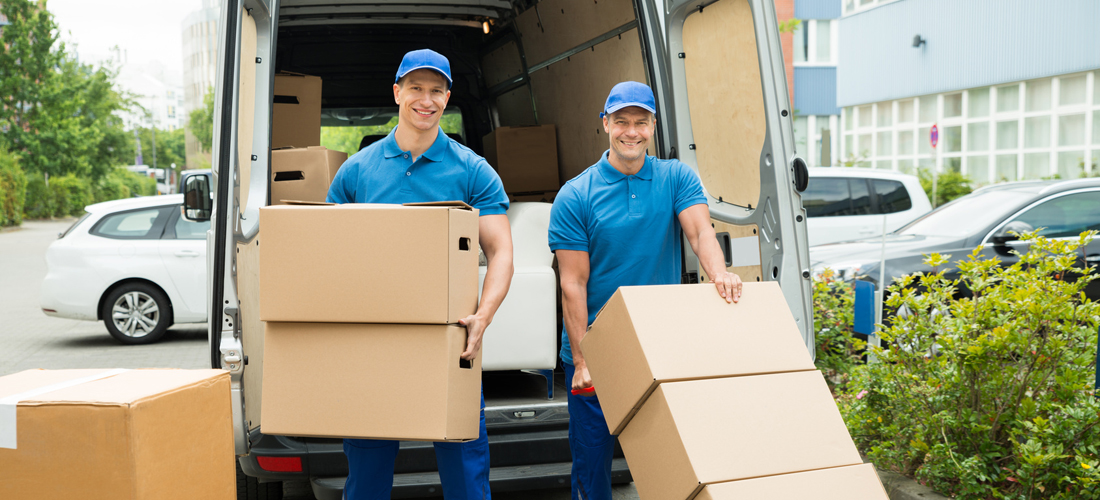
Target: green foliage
{"x": 949, "y": 185}
{"x": 789, "y": 25}
{"x": 988, "y": 394}
{"x": 13, "y": 187}
{"x": 201, "y": 122}
{"x": 68, "y": 195}
{"x": 170, "y": 148}
{"x": 838, "y": 352}
{"x": 347, "y": 139}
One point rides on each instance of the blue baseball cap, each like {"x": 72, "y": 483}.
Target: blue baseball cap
{"x": 629, "y": 94}
{"x": 424, "y": 59}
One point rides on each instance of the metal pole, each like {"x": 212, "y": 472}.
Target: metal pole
{"x": 880, "y": 292}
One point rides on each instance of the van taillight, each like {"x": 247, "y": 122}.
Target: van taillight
{"x": 280, "y": 464}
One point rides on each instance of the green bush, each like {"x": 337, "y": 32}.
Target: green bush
{"x": 989, "y": 393}
{"x": 13, "y": 188}
{"x": 837, "y": 351}
{"x": 949, "y": 185}
{"x": 64, "y": 196}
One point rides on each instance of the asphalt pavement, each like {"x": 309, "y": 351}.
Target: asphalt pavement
{"x": 30, "y": 339}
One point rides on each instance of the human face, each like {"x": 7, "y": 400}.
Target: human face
{"x": 421, "y": 98}
{"x": 630, "y": 130}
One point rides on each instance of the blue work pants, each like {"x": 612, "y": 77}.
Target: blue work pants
{"x": 463, "y": 467}
{"x": 590, "y": 443}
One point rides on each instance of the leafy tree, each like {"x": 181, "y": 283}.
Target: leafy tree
{"x": 27, "y": 62}
{"x": 13, "y": 187}
{"x": 347, "y": 139}
{"x": 170, "y": 147}
{"x": 949, "y": 185}
{"x": 201, "y": 122}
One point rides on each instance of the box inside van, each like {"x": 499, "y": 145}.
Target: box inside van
{"x": 723, "y": 109}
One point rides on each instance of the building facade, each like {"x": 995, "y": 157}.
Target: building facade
{"x": 200, "y": 46}
{"x": 158, "y": 94}
{"x": 814, "y": 51}
{"x": 1011, "y": 87}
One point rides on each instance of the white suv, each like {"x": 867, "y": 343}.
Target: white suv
{"x": 845, "y": 204}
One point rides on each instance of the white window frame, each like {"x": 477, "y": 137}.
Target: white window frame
{"x": 810, "y": 26}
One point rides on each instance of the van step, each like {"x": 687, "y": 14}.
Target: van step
{"x": 519, "y": 478}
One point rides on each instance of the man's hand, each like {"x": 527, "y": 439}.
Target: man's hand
{"x": 581, "y": 379}
{"x": 729, "y": 286}
{"x": 475, "y": 330}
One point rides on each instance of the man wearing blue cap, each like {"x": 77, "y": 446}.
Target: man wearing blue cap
{"x": 417, "y": 162}
{"x": 618, "y": 224}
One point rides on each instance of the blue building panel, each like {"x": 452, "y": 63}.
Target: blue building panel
{"x": 815, "y": 90}
{"x": 817, "y": 9}
{"x": 969, "y": 43}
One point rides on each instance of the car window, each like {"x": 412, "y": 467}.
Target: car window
{"x": 892, "y": 196}
{"x": 135, "y": 224}
{"x": 827, "y": 197}
{"x": 861, "y": 197}
{"x": 190, "y": 230}
{"x": 1065, "y": 216}
{"x": 965, "y": 216}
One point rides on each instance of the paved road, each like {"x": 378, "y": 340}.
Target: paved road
{"x": 30, "y": 339}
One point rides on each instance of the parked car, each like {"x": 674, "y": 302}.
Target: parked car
{"x": 1059, "y": 209}
{"x": 844, "y": 204}
{"x": 134, "y": 263}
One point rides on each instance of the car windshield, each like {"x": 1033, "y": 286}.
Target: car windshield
{"x": 965, "y": 215}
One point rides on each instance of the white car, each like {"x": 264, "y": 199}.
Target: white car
{"x": 844, "y": 204}
{"x": 134, "y": 263}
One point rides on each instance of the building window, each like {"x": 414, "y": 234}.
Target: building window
{"x": 814, "y": 42}
{"x": 801, "y": 42}
{"x": 853, "y": 6}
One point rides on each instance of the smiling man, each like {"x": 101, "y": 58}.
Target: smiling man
{"x": 417, "y": 162}
{"x": 618, "y": 224}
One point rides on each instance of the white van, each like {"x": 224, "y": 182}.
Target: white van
{"x": 723, "y": 109}
{"x": 845, "y": 204}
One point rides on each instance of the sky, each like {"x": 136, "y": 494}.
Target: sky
{"x": 146, "y": 30}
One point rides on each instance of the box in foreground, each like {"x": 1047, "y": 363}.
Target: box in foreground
{"x": 857, "y": 482}
{"x": 646, "y": 335}
{"x": 370, "y": 381}
{"x": 110, "y": 434}
{"x": 303, "y": 174}
{"x": 690, "y": 434}
{"x": 362, "y": 263}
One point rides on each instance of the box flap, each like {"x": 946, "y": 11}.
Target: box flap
{"x": 454, "y": 204}
{"x": 311, "y": 203}
{"x": 856, "y": 482}
{"x": 289, "y": 73}
{"x": 125, "y": 388}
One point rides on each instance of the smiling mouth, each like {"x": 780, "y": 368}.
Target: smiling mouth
{"x": 424, "y": 113}
{"x": 630, "y": 144}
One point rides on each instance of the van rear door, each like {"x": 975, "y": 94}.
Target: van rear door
{"x": 717, "y": 69}
{"x": 240, "y": 156}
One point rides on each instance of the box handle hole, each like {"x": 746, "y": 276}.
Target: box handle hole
{"x": 286, "y": 99}
{"x": 464, "y": 244}
{"x": 290, "y": 175}
{"x": 465, "y": 364}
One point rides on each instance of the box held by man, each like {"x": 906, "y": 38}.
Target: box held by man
{"x": 856, "y": 482}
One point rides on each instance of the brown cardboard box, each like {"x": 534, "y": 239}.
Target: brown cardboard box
{"x": 134, "y": 434}
{"x": 858, "y": 482}
{"x": 646, "y": 335}
{"x": 526, "y": 158}
{"x": 303, "y": 174}
{"x": 369, "y": 381}
{"x": 364, "y": 263}
{"x": 689, "y": 434}
{"x": 296, "y": 112}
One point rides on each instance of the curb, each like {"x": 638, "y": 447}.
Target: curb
{"x": 899, "y": 487}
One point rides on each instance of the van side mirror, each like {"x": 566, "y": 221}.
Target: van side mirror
{"x": 196, "y": 198}
{"x": 1004, "y": 234}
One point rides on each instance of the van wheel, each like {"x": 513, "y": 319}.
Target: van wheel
{"x": 249, "y": 488}
{"x": 137, "y": 313}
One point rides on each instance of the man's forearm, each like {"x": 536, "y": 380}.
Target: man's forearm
{"x": 498, "y": 278}
{"x": 710, "y": 255}
{"x": 575, "y": 311}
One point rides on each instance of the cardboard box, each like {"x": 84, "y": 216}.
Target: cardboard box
{"x": 110, "y": 434}
{"x": 858, "y": 482}
{"x": 526, "y": 158}
{"x": 303, "y": 174}
{"x": 370, "y": 381}
{"x": 296, "y": 112}
{"x": 646, "y": 335}
{"x": 364, "y": 263}
{"x": 690, "y": 434}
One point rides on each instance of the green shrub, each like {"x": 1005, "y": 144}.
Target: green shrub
{"x": 988, "y": 394}
{"x": 949, "y": 185}
{"x": 13, "y": 188}
{"x": 40, "y": 202}
{"x": 64, "y": 196}
{"x": 837, "y": 351}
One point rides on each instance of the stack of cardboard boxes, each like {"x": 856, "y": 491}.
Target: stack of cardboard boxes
{"x": 526, "y": 159}
{"x": 300, "y": 168}
{"x": 357, "y": 347}
{"x": 109, "y": 434}
{"x": 719, "y": 401}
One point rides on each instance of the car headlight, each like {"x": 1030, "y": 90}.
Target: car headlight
{"x": 844, "y": 271}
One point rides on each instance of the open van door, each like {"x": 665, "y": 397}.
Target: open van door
{"x": 240, "y": 159}
{"x": 717, "y": 69}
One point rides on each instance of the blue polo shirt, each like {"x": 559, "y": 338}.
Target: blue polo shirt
{"x": 628, "y": 225}
{"x": 447, "y": 171}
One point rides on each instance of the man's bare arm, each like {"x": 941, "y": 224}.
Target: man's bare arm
{"x": 695, "y": 220}
{"x": 573, "y": 265}
{"x": 495, "y": 236}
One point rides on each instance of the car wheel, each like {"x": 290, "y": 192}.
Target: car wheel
{"x": 137, "y": 313}
{"x": 250, "y": 488}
